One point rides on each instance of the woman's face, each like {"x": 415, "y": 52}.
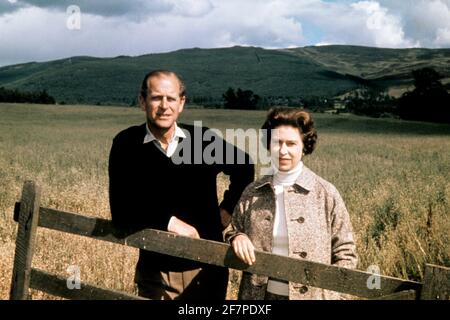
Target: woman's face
{"x": 286, "y": 147}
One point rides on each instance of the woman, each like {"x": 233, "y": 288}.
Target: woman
{"x": 293, "y": 212}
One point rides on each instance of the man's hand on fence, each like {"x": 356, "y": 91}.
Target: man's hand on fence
{"x": 244, "y": 248}
{"x": 182, "y": 228}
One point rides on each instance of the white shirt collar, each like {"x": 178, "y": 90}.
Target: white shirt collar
{"x": 173, "y": 143}
{"x": 149, "y": 137}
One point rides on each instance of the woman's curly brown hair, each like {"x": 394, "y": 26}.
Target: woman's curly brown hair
{"x": 297, "y": 118}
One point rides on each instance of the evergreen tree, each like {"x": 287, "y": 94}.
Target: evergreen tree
{"x": 429, "y": 101}
{"x": 241, "y": 99}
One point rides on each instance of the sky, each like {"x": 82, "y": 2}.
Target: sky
{"x": 41, "y": 30}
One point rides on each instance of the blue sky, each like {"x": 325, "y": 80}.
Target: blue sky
{"x": 39, "y": 30}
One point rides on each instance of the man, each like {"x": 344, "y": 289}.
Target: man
{"x": 148, "y": 189}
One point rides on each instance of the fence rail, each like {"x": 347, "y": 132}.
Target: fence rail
{"x": 30, "y": 215}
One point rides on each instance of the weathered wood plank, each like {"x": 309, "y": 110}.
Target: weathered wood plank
{"x": 436, "y": 283}
{"x": 57, "y": 286}
{"x": 25, "y": 241}
{"x": 402, "y": 295}
{"x": 309, "y": 273}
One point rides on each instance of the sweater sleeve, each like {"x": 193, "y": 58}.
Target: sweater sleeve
{"x": 241, "y": 172}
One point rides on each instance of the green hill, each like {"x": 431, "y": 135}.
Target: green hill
{"x": 299, "y": 72}
{"x": 384, "y": 67}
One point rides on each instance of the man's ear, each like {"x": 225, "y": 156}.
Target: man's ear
{"x": 183, "y": 101}
{"x": 141, "y": 102}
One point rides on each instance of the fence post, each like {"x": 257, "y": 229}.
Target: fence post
{"x": 436, "y": 284}
{"x": 25, "y": 242}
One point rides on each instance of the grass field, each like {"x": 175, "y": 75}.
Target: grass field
{"x": 393, "y": 175}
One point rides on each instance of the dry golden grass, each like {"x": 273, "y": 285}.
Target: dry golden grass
{"x": 394, "y": 177}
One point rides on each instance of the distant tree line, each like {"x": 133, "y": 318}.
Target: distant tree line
{"x": 371, "y": 102}
{"x": 14, "y": 95}
{"x": 429, "y": 101}
{"x": 247, "y": 99}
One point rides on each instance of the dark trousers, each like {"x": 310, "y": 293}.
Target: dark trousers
{"x": 208, "y": 283}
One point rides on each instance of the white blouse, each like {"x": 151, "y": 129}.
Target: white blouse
{"x": 280, "y": 233}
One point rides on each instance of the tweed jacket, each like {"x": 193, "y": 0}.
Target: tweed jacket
{"x": 318, "y": 224}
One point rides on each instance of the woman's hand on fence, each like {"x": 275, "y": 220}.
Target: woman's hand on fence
{"x": 182, "y": 228}
{"x": 244, "y": 249}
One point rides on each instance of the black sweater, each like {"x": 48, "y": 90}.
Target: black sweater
{"x": 147, "y": 188}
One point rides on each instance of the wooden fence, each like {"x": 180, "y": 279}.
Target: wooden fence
{"x": 30, "y": 215}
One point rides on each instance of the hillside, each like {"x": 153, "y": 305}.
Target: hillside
{"x": 309, "y": 71}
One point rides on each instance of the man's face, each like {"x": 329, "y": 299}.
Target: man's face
{"x": 163, "y": 103}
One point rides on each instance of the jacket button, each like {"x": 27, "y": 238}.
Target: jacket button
{"x": 303, "y": 289}
{"x": 303, "y": 254}
{"x": 301, "y": 220}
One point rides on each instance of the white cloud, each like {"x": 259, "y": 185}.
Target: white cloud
{"x": 133, "y": 9}
{"x": 435, "y": 19}
{"x": 191, "y": 8}
{"x": 423, "y": 20}
{"x": 48, "y": 38}
{"x": 358, "y": 23}
{"x": 249, "y": 24}
{"x": 442, "y": 37}
{"x": 381, "y": 28}
{"x": 137, "y": 27}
